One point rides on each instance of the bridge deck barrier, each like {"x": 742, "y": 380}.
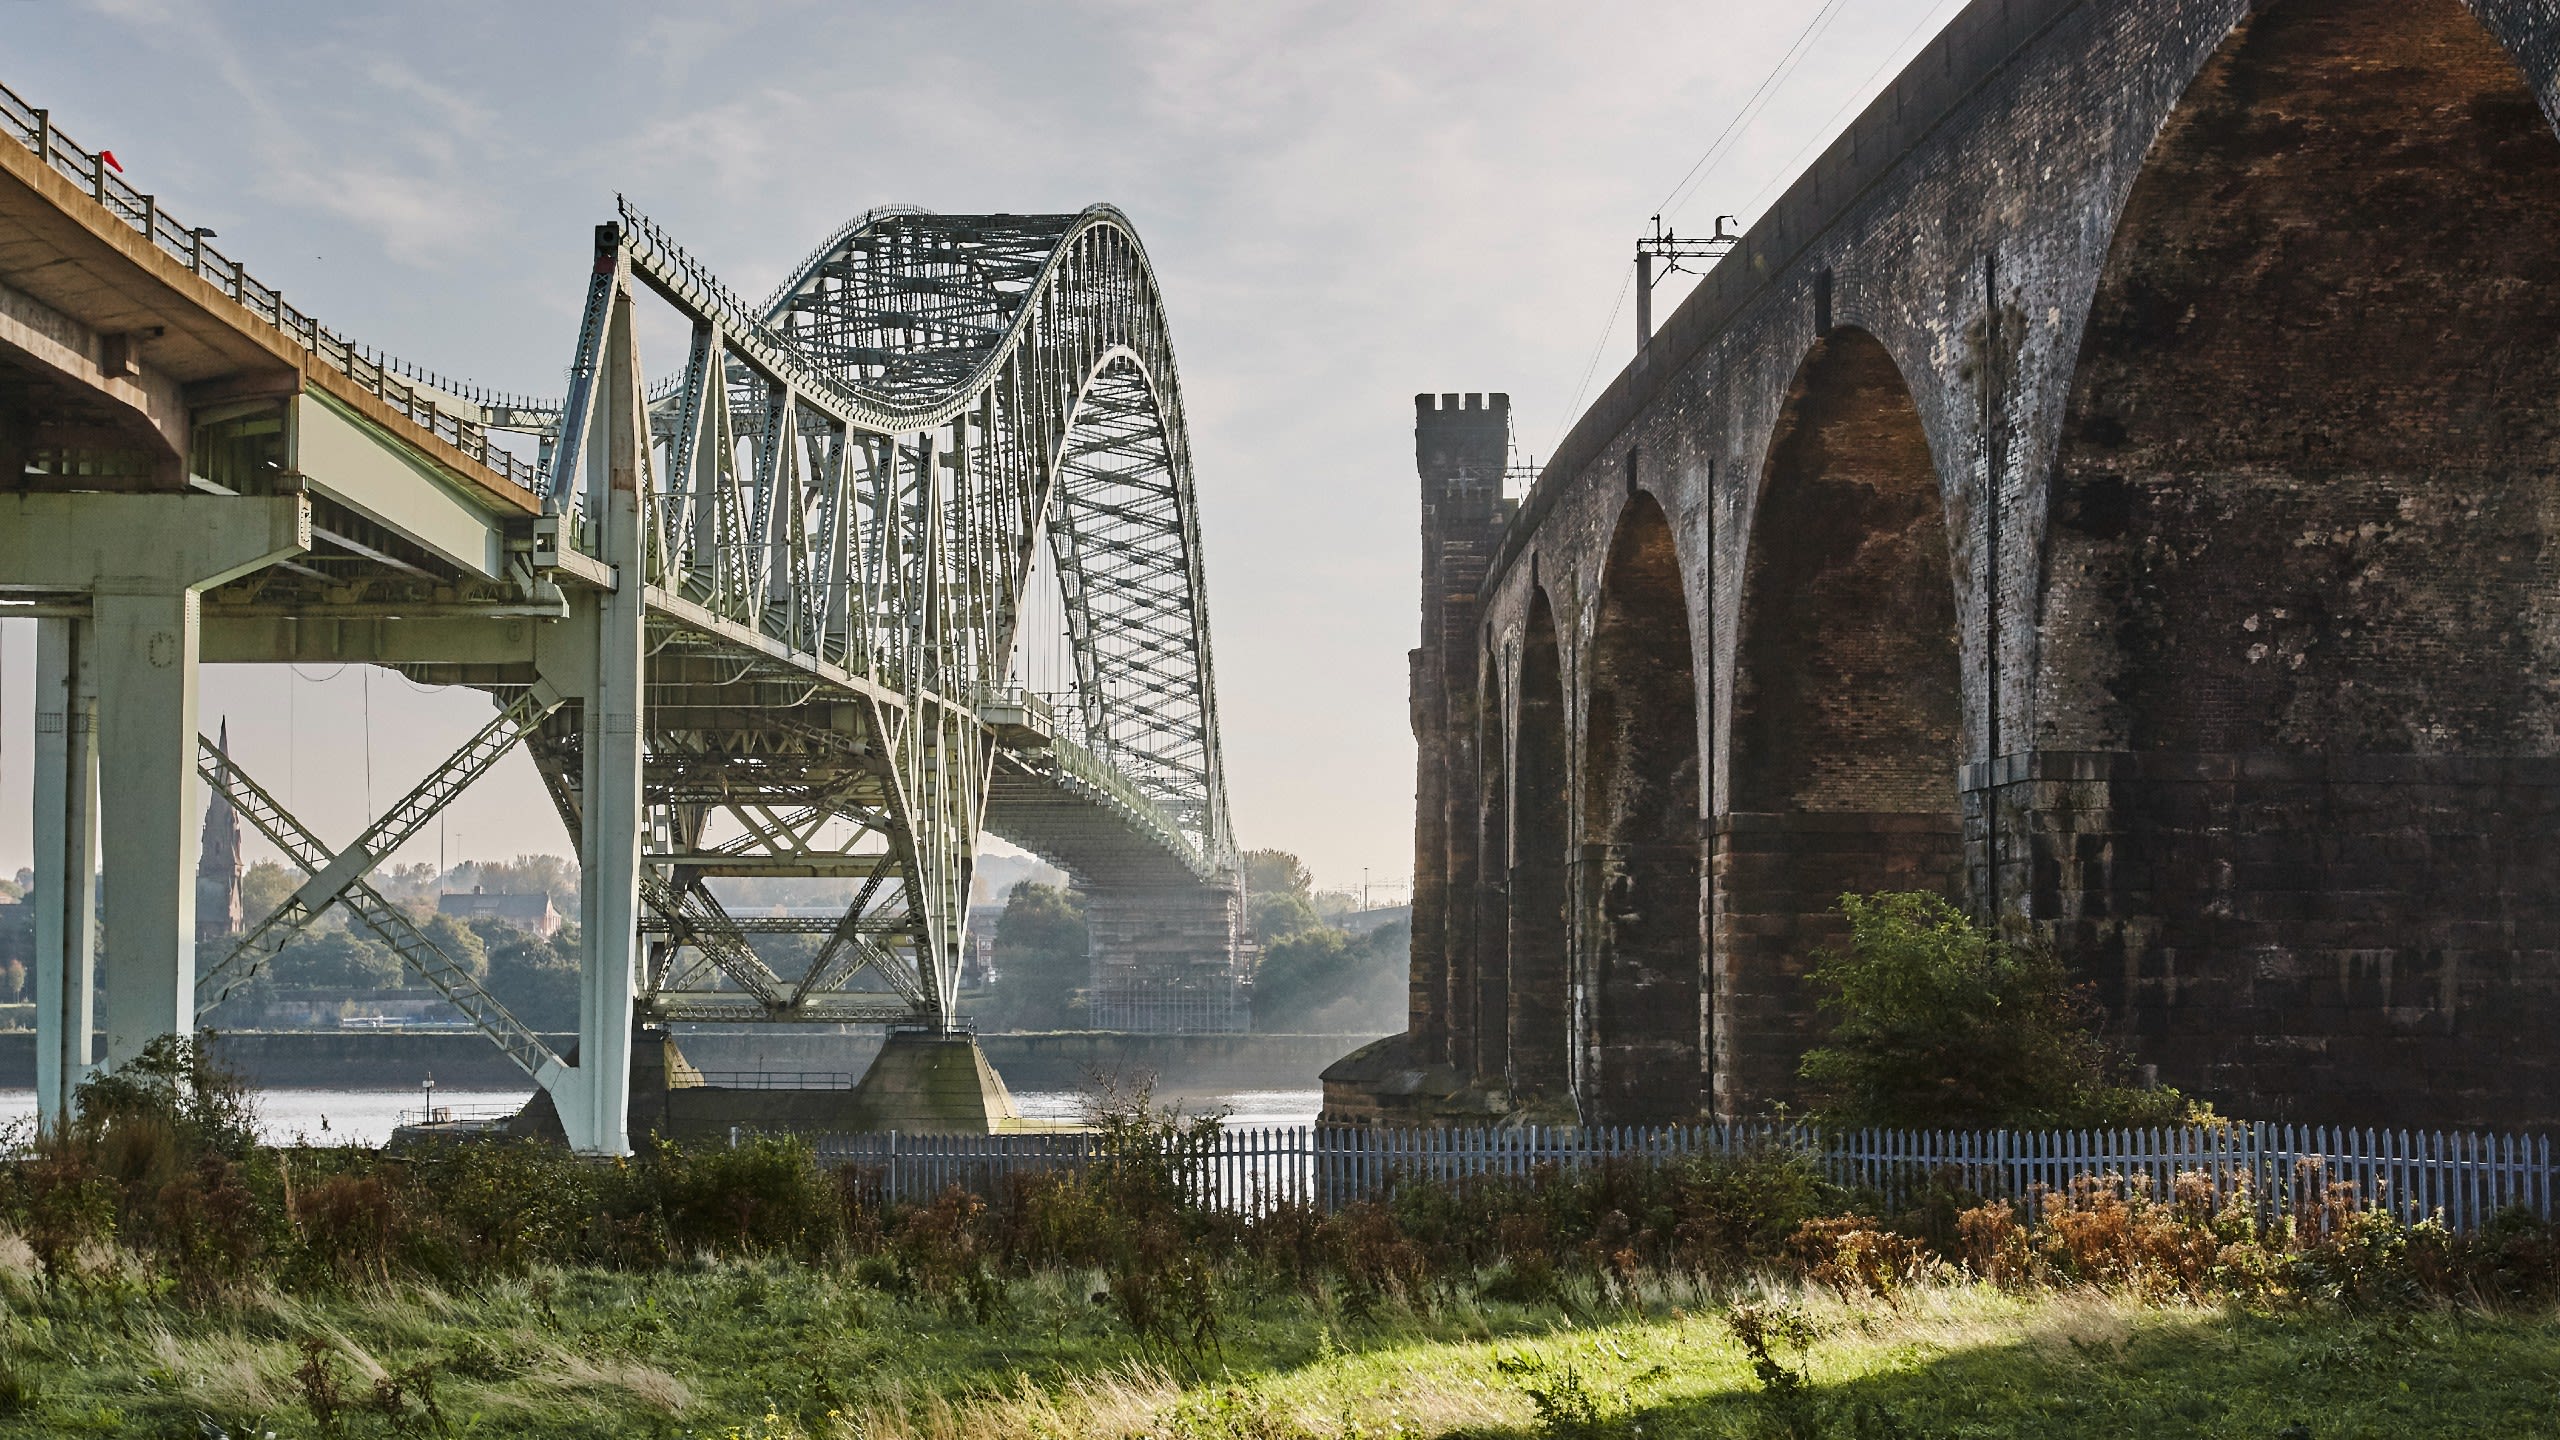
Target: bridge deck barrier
{"x": 33, "y": 128}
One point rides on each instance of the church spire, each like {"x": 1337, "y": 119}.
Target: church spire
{"x": 218, "y": 866}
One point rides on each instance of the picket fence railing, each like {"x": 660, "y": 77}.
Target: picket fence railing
{"x": 2463, "y": 1178}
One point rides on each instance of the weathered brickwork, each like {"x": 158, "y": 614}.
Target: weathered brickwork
{"x": 1538, "y": 1066}
{"x": 1489, "y": 1009}
{"x": 1461, "y": 445}
{"x": 1640, "y": 832}
{"x": 2118, "y": 484}
{"x": 1846, "y": 706}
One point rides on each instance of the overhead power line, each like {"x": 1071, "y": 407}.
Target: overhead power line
{"x": 1607, "y": 329}
{"x": 1830, "y": 128}
{"x": 1722, "y": 146}
{"x": 1697, "y": 174}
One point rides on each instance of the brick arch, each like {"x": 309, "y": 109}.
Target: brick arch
{"x": 1640, "y": 833}
{"x": 2301, "y": 590}
{"x": 1490, "y": 1035}
{"x": 1846, "y": 706}
{"x": 1540, "y": 948}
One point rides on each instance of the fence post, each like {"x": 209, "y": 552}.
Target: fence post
{"x": 2272, "y": 1149}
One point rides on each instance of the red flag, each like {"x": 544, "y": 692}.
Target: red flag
{"x": 110, "y": 157}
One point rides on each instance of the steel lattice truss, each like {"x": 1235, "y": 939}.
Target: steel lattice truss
{"x": 846, "y": 490}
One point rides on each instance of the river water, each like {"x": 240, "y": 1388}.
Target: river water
{"x": 366, "y": 1117}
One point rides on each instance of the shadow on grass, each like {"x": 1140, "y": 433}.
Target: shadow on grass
{"x": 2292, "y": 1376}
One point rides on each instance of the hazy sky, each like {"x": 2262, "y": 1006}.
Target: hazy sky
{"x": 1345, "y": 204}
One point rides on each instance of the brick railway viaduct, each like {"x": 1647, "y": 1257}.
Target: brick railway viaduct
{"x": 2117, "y": 485}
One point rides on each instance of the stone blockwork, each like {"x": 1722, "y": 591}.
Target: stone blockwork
{"x": 1461, "y": 446}
{"x": 1538, "y": 1037}
{"x": 1643, "y": 1029}
{"x": 2118, "y": 483}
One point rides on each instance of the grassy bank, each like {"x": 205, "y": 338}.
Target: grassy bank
{"x": 777, "y": 1348}
{"x": 162, "y": 1274}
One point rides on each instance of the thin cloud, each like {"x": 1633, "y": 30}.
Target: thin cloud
{"x": 1347, "y": 203}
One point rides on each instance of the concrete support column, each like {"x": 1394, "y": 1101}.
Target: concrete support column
{"x": 142, "y": 560}
{"x": 594, "y": 1099}
{"x": 147, "y": 811}
{"x": 66, "y": 863}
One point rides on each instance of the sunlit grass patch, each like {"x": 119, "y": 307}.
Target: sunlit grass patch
{"x": 790, "y": 1350}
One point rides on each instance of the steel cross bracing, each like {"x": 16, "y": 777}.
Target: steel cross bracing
{"x": 332, "y": 876}
{"x": 387, "y": 921}
{"x": 844, "y": 490}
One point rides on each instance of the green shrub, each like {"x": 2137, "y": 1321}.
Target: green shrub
{"x": 158, "y": 1192}
{"x": 173, "y": 1086}
{"x": 766, "y": 1195}
{"x": 1936, "y": 1022}
{"x": 19, "y": 1390}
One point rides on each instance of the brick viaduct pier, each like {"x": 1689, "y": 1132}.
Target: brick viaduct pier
{"x": 2117, "y": 485}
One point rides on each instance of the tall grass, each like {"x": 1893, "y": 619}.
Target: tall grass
{"x": 156, "y": 1265}
{"x": 160, "y": 1190}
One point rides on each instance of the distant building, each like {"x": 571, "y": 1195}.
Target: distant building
{"x": 978, "y": 961}
{"x": 218, "y": 867}
{"x": 530, "y": 913}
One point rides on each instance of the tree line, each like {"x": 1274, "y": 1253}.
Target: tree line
{"x": 1313, "y": 973}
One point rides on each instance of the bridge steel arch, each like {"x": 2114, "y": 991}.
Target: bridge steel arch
{"x": 858, "y": 475}
{"x": 756, "y": 619}
{"x": 2212, "y": 314}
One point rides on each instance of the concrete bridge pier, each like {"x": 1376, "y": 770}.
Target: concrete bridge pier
{"x": 136, "y": 564}
{"x": 66, "y": 855}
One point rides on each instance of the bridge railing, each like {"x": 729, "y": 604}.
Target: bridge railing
{"x": 2466, "y": 1178}
{"x": 33, "y": 128}
{"x": 1088, "y": 767}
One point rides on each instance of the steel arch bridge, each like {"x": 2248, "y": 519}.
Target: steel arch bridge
{"x": 756, "y": 618}
{"x": 860, "y": 472}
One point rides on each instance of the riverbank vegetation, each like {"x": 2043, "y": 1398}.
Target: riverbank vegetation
{"x": 775, "y": 1350}
{"x": 161, "y": 1273}
{"x": 164, "y": 1275}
